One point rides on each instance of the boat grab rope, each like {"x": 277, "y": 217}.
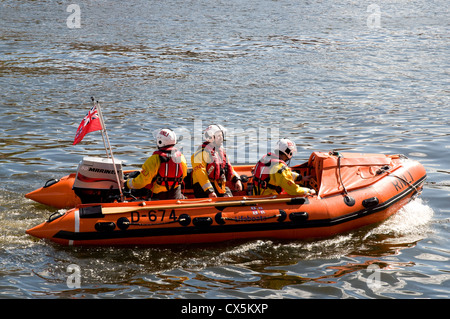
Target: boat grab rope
{"x": 349, "y": 201}
{"x": 340, "y": 176}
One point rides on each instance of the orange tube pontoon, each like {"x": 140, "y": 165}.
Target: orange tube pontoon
{"x": 353, "y": 190}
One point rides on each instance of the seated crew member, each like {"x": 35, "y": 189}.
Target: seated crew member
{"x": 272, "y": 175}
{"x": 164, "y": 171}
{"x": 211, "y": 168}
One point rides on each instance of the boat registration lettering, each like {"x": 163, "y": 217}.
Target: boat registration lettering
{"x": 159, "y": 215}
{"x": 402, "y": 181}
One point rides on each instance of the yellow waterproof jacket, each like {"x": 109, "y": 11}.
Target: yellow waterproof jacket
{"x": 200, "y": 161}
{"x": 149, "y": 171}
{"x": 282, "y": 176}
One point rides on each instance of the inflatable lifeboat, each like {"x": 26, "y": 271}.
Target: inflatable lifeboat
{"x": 352, "y": 191}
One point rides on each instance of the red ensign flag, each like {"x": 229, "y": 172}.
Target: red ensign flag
{"x": 90, "y": 123}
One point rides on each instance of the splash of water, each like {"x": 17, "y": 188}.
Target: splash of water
{"x": 412, "y": 220}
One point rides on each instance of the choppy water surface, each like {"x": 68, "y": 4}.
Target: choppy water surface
{"x": 326, "y": 74}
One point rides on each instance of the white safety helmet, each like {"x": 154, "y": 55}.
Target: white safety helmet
{"x": 286, "y": 146}
{"x": 213, "y": 132}
{"x": 165, "y": 137}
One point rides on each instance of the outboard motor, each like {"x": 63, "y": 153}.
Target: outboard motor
{"x": 96, "y": 180}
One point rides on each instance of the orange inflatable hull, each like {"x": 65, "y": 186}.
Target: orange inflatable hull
{"x": 376, "y": 191}
{"x": 57, "y": 193}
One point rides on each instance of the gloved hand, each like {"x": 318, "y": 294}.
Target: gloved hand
{"x": 212, "y": 195}
{"x": 125, "y": 186}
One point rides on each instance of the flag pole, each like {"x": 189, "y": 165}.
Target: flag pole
{"x": 110, "y": 149}
{"x": 103, "y": 125}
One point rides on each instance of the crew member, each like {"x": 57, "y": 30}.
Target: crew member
{"x": 211, "y": 169}
{"x": 272, "y": 175}
{"x": 164, "y": 171}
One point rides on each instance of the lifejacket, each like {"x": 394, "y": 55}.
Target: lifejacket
{"x": 170, "y": 172}
{"x": 219, "y": 169}
{"x": 261, "y": 174}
